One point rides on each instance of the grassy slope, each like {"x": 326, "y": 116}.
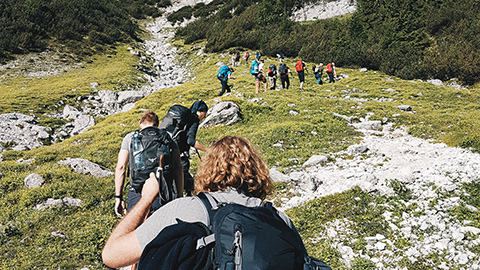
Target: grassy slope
{"x": 25, "y": 234}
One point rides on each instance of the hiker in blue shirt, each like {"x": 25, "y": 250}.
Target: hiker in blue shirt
{"x": 225, "y": 73}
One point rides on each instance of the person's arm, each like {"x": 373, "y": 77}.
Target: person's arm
{"x": 120, "y": 174}
{"x": 122, "y": 247}
{"x": 191, "y": 138}
{"x": 230, "y": 76}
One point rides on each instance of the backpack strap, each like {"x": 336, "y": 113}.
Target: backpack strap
{"x": 209, "y": 202}
{"x": 210, "y": 205}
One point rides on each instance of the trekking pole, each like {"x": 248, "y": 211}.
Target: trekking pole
{"x": 198, "y": 154}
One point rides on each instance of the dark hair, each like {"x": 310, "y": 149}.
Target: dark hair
{"x": 199, "y": 106}
{"x": 149, "y": 117}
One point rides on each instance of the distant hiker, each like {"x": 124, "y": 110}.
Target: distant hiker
{"x": 182, "y": 125}
{"x": 258, "y": 55}
{"x": 318, "y": 70}
{"x": 300, "y": 68}
{"x": 261, "y": 67}
{"x": 221, "y": 177}
{"x": 139, "y": 150}
{"x": 224, "y": 74}
{"x": 272, "y": 76}
{"x": 247, "y": 55}
{"x": 234, "y": 57}
{"x": 283, "y": 70}
{"x": 256, "y": 70}
{"x": 280, "y": 57}
{"x": 237, "y": 59}
{"x": 331, "y": 72}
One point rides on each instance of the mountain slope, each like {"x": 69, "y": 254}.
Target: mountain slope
{"x": 352, "y": 229}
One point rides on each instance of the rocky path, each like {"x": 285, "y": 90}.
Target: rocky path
{"x": 431, "y": 171}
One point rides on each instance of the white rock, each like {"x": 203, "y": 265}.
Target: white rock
{"x": 316, "y": 159}
{"x": 33, "y": 180}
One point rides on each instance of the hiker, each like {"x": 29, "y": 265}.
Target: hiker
{"x": 237, "y": 59}
{"x": 300, "y": 68}
{"x": 284, "y": 71}
{"x": 272, "y": 76}
{"x": 234, "y": 57}
{"x": 261, "y": 68}
{"x": 224, "y": 74}
{"x": 232, "y": 171}
{"x": 148, "y": 122}
{"x": 280, "y": 57}
{"x": 318, "y": 70}
{"x": 247, "y": 55}
{"x": 182, "y": 125}
{"x": 256, "y": 70}
{"x": 258, "y": 55}
{"x": 331, "y": 72}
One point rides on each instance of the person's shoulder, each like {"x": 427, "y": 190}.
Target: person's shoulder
{"x": 129, "y": 135}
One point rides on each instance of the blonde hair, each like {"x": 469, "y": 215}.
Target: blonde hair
{"x": 234, "y": 162}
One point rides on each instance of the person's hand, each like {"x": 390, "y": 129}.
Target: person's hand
{"x": 150, "y": 188}
{"x": 120, "y": 210}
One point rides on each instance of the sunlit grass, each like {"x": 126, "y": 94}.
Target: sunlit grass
{"x": 286, "y": 141}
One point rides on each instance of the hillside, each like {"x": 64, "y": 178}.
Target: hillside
{"x": 376, "y": 172}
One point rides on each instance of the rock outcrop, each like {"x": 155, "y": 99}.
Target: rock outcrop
{"x": 21, "y": 132}
{"x": 84, "y": 166}
{"x": 224, "y": 113}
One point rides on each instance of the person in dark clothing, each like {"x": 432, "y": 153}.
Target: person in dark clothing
{"x": 283, "y": 70}
{"x": 182, "y": 124}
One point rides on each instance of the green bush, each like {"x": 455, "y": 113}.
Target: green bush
{"x": 409, "y": 39}
{"x": 34, "y": 25}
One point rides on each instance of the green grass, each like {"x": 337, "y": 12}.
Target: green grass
{"x": 113, "y": 71}
{"x": 26, "y": 240}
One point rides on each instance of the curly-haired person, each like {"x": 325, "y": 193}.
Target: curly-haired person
{"x": 232, "y": 171}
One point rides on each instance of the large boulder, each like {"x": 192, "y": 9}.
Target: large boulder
{"x": 223, "y": 113}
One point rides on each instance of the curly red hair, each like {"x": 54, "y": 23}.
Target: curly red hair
{"x": 234, "y": 162}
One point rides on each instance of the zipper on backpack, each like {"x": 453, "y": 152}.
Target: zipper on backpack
{"x": 237, "y": 244}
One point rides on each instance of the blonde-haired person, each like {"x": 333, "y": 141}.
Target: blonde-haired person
{"x": 231, "y": 170}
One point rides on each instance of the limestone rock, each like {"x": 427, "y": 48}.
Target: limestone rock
{"x": 278, "y": 176}
{"x": 84, "y": 166}
{"x": 58, "y": 202}
{"x": 316, "y": 159}
{"x": 33, "y": 180}
{"x": 224, "y": 113}
{"x": 21, "y": 132}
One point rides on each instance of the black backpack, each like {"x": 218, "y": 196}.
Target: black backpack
{"x": 282, "y": 69}
{"x": 176, "y": 123}
{"x": 272, "y": 70}
{"x": 155, "y": 151}
{"x": 238, "y": 238}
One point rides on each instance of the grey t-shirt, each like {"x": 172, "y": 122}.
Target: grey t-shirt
{"x": 126, "y": 141}
{"x": 191, "y": 209}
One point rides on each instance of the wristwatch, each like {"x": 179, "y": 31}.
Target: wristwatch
{"x": 117, "y": 196}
